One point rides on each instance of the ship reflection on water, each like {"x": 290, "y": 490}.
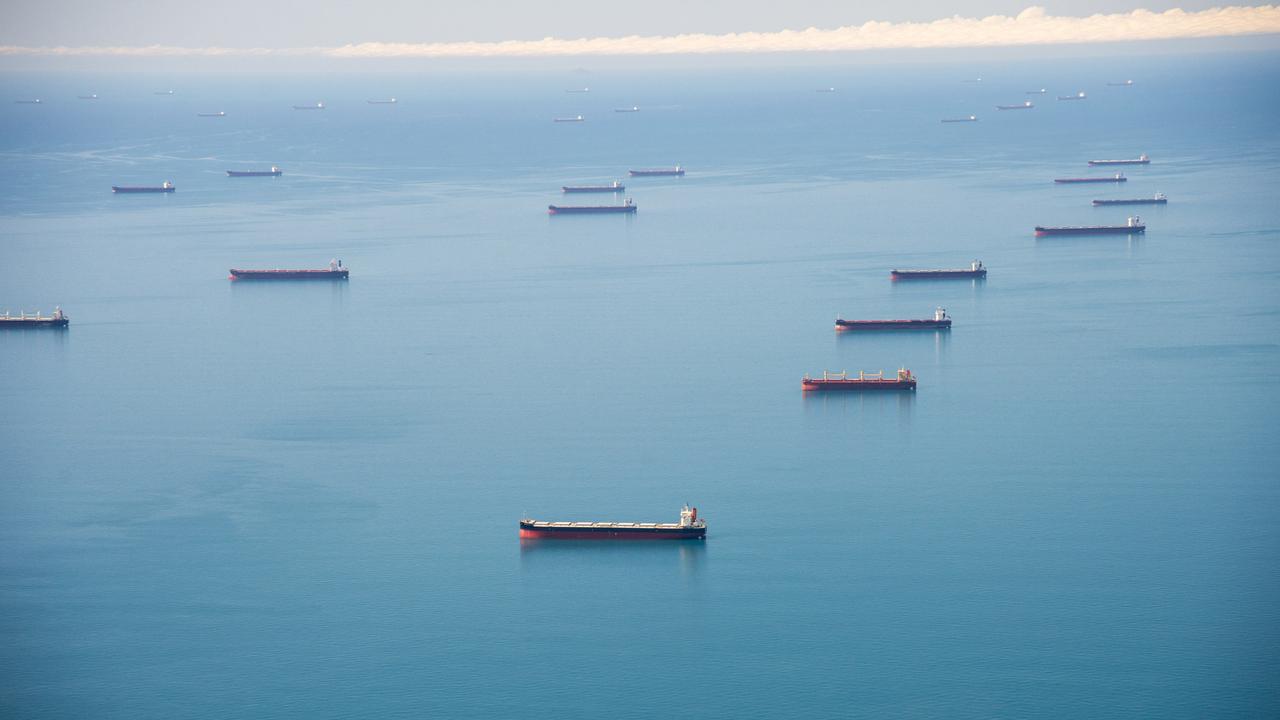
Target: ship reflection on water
{"x": 549, "y": 553}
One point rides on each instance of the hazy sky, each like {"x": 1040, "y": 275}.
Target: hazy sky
{"x": 290, "y": 23}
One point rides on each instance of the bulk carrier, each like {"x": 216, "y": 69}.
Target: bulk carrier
{"x": 273, "y": 172}
{"x": 1159, "y": 199}
{"x": 1118, "y": 177}
{"x": 334, "y": 272}
{"x": 864, "y": 382}
{"x": 690, "y": 527}
{"x": 1140, "y": 160}
{"x": 1024, "y": 106}
{"x": 656, "y": 172}
{"x": 57, "y": 319}
{"x": 167, "y": 187}
{"x": 1133, "y": 225}
{"x": 975, "y": 270}
{"x": 615, "y": 187}
{"x": 940, "y": 321}
{"x": 627, "y": 207}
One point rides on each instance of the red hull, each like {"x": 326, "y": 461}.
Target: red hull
{"x": 856, "y": 385}
{"x": 528, "y": 534}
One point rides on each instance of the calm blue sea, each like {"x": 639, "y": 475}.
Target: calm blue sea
{"x": 300, "y": 500}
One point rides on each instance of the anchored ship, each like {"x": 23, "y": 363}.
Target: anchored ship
{"x": 388, "y": 101}
{"x": 971, "y": 118}
{"x": 57, "y": 319}
{"x": 1132, "y": 225}
{"x": 579, "y": 90}
{"x": 633, "y": 108}
{"x": 317, "y": 106}
{"x": 615, "y": 187}
{"x": 653, "y": 172}
{"x": 574, "y": 119}
{"x": 335, "y": 272}
{"x": 212, "y": 114}
{"x": 1041, "y": 91}
{"x": 167, "y": 187}
{"x": 865, "y": 381}
{"x": 273, "y": 172}
{"x": 1078, "y": 96}
{"x": 1126, "y": 83}
{"x": 1118, "y": 177}
{"x": 825, "y": 90}
{"x": 163, "y": 92}
{"x": 1024, "y": 106}
{"x": 1140, "y": 160}
{"x": 34, "y": 101}
{"x": 1159, "y": 199}
{"x": 940, "y": 321}
{"x": 94, "y": 96}
{"x": 975, "y": 270}
{"x": 690, "y": 527}
{"x": 627, "y": 206}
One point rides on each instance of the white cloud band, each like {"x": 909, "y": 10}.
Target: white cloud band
{"x": 1032, "y": 26}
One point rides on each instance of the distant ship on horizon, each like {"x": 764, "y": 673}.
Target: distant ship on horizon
{"x": 1078, "y": 96}
{"x": 317, "y": 106}
{"x": 1026, "y": 105}
{"x": 971, "y": 118}
{"x": 211, "y": 114}
{"x": 87, "y": 97}
{"x": 574, "y": 119}
{"x": 388, "y": 101}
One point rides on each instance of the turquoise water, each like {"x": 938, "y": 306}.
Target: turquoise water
{"x": 300, "y": 500}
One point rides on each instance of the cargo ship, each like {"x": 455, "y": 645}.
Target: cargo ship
{"x": 940, "y": 321}
{"x": 655, "y": 172}
{"x": 87, "y": 97}
{"x": 1077, "y": 96}
{"x": 626, "y": 207}
{"x": 975, "y": 270}
{"x": 865, "y": 381}
{"x": 1118, "y": 177}
{"x": 971, "y": 118}
{"x": 579, "y": 90}
{"x": 633, "y": 108}
{"x": 1140, "y": 160}
{"x": 335, "y": 272}
{"x": 317, "y": 106}
{"x": 1159, "y": 199}
{"x": 615, "y": 187}
{"x": 574, "y": 119}
{"x": 273, "y": 172}
{"x": 1131, "y": 226}
{"x": 825, "y": 90}
{"x": 212, "y": 114}
{"x": 34, "y": 101}
{"x": 388, "y": 101}
{"x": 690, "y": 527}
{"x": 167, "y": 187}
{"x": 1126, "y": 83}
{"x": 1024, "y": 106}
{"x": 57, "y": 319}
{"x": 1041, "y": 91}
{"x": 163, "y": 92}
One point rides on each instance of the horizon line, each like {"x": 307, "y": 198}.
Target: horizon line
{"x": 1032, "y": 26}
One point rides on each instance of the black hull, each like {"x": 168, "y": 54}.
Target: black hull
{"x": 1144, "y": 201}
{"x": 15, "y": 323}
{"x": 934, "y": 274}
{"x": 289, "y": 274}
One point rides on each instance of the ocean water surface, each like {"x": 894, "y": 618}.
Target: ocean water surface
{"x": 226, "y": 499}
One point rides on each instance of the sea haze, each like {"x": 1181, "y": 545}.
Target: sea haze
{"x": 243, "y": 499}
